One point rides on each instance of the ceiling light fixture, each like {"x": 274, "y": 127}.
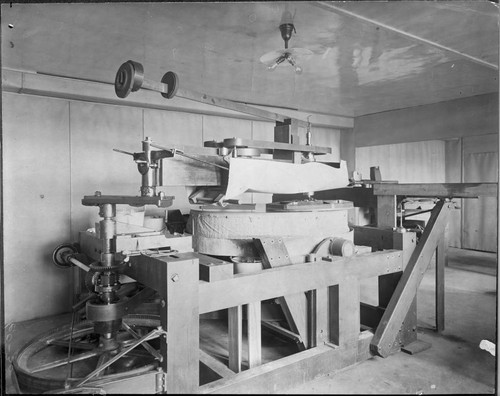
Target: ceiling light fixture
{"x": 275, "y": 58}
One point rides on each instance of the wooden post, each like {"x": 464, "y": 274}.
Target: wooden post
{"x": 254, "y": 334}
{"x": 440, "y": 264}
{"x": 235, "y": 337}
{"x": 386, "y": 211}
{"x": 345, "y": 313}
{"x": 180, "y": 317}
{"x": 287, "y": 132}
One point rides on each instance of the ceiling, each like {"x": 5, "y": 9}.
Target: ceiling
{"x": 379, "y": 56}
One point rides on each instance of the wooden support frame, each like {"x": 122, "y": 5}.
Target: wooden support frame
{"x": 335, "y": 339}
{"x": 406, "y": 290}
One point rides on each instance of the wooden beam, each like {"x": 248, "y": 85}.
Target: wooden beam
{"x": 235, "y": 333}
{"x": 269, "y": 283}
{"x": 406, "y": 290}
{"x": 294, "y": 370}
{"x": 441, "y": 252}
{"x": 386, "y": 211}
{"x": 254, "y": 334}
{"x": 180, "y": 318}
{"x": 215, "y": 365}
{"x": 445, "y": 190}
{"x": 30, "y": 83}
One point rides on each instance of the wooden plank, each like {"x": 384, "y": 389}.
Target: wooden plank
{"x": 441, "y": 252}
{"x": 345, "y": 311}
{"x": 386, "y": 210}
{"x": 235, "y": 342}
{"x": 446, "y": 190}
{"x": 215, "y": 365}
{"x": 269, "y": 283}
{"x": 291, "y": 371}
{"x": 274, "y": 253}
{"x": 254, "y": 333}
{"x": 277, "y": 145}
{"x": 182, "y": 325}
{"x": 406, "y": 290}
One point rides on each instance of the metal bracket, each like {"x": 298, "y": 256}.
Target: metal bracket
{"x": 161, "y": 382}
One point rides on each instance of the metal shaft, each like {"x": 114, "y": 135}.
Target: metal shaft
{"x": 154, "y": 86}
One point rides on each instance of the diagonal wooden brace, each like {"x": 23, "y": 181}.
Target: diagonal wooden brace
{"x": 274, "y": 254}
{"x": 406, "y": 290}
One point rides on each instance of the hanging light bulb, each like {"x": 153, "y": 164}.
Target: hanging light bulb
{"x": 273, "y": 66}
{"x": 291, "y": 60}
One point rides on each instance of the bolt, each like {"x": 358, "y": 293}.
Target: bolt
{"x": 175, "y": 278}
{"x": 97, "y": 194}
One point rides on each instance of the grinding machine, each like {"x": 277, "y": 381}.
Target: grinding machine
{"x": 293, "y": 268}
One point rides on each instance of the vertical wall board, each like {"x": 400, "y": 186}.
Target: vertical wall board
{"x": 328, "y": 138}
{"x": 419, "y": 162}
{"x": 347, "y": 149}
{"x": 480, "y": 215}
{"x": 453, "y": 174}
{"x": 36, "y": 192}
{"x": 262, "y": 130}
{"x": 219, "y": 128}
{"x": 96, "y": 130}
{"x": 171, "y": 128}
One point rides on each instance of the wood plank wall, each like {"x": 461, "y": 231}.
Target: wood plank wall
{"x": 467, "y": 127}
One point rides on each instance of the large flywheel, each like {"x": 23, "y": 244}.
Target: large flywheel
{"x": 75, "y": 356}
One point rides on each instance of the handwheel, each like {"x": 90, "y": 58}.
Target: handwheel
{"x": 42, "y": 364}
{"x": 60, "y": 254}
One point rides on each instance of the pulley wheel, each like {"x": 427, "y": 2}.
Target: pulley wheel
{"x": 41, "y": 365}
{"x": 60, "y": 254}
{"x": 129, "y": 78}
{"x": 170, "y": 78}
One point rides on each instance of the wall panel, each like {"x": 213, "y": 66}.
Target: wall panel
{"x": 327, "y": 138}
{"x": 419, "y": 162}
{"x": 169, "y": 129}
{"x": 453, "y": 174}
{"x": 95, "y": 131}
{"x": 36, "y": 198}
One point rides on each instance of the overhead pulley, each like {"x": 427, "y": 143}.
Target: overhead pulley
{"x": 130, "y": 78}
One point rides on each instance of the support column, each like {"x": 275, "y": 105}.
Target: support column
{"x": 254, "y": 334}
{"x": 235, "y": 337}
{"x": 180, "y": 317}
{"x": 441, "y": 254}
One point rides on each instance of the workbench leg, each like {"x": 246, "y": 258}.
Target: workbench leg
{"x": 180, "y": 317}
{"x": 254, "y": 334}
{"x": 345, "y": 317}
{"x": 235, "y": 337}
{"x": 441, "y": 254}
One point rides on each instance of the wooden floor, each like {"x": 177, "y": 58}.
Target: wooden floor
{"x": 454, "y": 363}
